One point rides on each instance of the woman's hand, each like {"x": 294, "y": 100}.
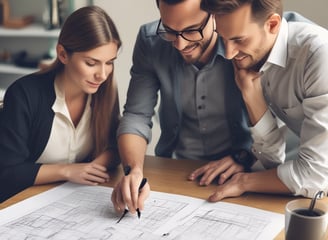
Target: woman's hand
{"x": 85, "y": 173}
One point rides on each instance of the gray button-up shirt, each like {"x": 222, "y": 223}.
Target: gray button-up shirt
{"x": 159, "y": 69}
{"x": 204, "y": 129}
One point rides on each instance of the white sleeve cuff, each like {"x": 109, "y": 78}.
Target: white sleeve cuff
{"x": 264, "y": 126}
{"x": 288, "y": 176}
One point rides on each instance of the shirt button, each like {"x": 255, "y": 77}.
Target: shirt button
{"x": 203, "y": 97}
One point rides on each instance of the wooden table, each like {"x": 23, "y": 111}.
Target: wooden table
{"x": 170, "y": 175}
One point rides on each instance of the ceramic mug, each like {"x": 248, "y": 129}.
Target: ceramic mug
{"x": 302, "y": 224}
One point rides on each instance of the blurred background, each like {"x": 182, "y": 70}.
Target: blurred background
{"x": 29, "y": 30}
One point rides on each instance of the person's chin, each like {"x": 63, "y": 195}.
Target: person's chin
{"x": 241, "y": 64}
{"x": 92, "y": 87}
{"x": 190, "y": 58}
{"x": 91, "y": 90}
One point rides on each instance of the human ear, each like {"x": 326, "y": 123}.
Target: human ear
{"x": 273, "y": 23}
{"x": 61, "y": 54}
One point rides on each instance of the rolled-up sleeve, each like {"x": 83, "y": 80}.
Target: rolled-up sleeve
{"x": 142, "y": 93}
{"x": 308, "y": 174}
{"x": 269, "y": 142}
{"x": 294, "y": 83}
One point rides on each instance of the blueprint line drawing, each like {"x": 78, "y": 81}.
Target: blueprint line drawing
{"x": 77, "y": 212}
{"x": 221, "y": 222}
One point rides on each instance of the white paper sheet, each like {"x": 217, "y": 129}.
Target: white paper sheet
{"x": 72, "y": 211}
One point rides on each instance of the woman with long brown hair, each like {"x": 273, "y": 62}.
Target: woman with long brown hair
{"x": 60, "y": 124}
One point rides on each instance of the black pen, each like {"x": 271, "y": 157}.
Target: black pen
{"x": 127, "y": 170}
{"x": 142, "y": 184}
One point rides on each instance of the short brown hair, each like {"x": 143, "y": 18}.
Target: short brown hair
{"x": 261, "y": 9}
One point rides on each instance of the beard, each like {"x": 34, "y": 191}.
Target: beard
{"x": 248, "y": 62}
{"x": 245, "y": 63}
{"x": 191, "y": 53}
{"x": 197, "y": 50}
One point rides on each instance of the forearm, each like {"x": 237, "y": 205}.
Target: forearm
{"x": 132, "y": 149}
{"x": 256, "y": 106}
{"x": 49, "y": 173}
{"x": 108, "y": 159}
{"x": 249, "y": 83}
{"x": 263, "y": 182}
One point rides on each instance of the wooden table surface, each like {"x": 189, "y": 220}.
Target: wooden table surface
{"x": 170, "y": 175}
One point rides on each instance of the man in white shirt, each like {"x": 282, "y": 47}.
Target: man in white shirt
{"x": 281, "y": 71}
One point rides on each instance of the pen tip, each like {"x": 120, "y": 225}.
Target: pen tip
{"x": 138, "y": 213}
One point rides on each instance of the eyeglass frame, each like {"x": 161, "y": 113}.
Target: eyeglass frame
{"x": 180, "y": 33}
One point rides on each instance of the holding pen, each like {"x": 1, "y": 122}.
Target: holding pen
{"x": 142, "y": 184}
{"x": 127, "y": 170}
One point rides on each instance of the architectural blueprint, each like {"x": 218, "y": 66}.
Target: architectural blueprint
{"x": 76, "y": 212}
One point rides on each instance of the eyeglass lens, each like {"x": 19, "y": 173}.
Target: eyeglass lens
{"x": 192, "y": 35}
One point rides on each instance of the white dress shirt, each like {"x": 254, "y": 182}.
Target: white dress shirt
{"x": 295, "y": 86}
{"x": 67, "y": 143}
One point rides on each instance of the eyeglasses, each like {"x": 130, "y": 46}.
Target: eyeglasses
{"x": 192, "y": 35}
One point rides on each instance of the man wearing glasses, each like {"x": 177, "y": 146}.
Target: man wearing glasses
{"x": 201, "y": 112}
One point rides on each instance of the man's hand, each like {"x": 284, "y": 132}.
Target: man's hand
{"x": 231, "y": 188}
{"x": 223, "y": 168}
{"x": 243, "y": 182}
{"x": 126, "y": 193}
{"x": 249, "y": 83}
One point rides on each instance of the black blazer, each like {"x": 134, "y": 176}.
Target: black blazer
{"x": 25, "y": 127}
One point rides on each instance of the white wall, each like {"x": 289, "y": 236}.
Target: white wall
{"x": 314, "y": 10}
{"x": 128, "y": 16}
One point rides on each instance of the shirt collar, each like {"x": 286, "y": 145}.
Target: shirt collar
{"x": 59, "y": 105}
{"x": 220, "y": 51}
{"x": 278, "y": 54}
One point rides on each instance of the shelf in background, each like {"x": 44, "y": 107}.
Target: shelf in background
{"x": 12, "y": 69}
{"x": 32, "y": 30}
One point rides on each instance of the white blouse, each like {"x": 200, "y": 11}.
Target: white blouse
{"x": 67, "y": 143}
